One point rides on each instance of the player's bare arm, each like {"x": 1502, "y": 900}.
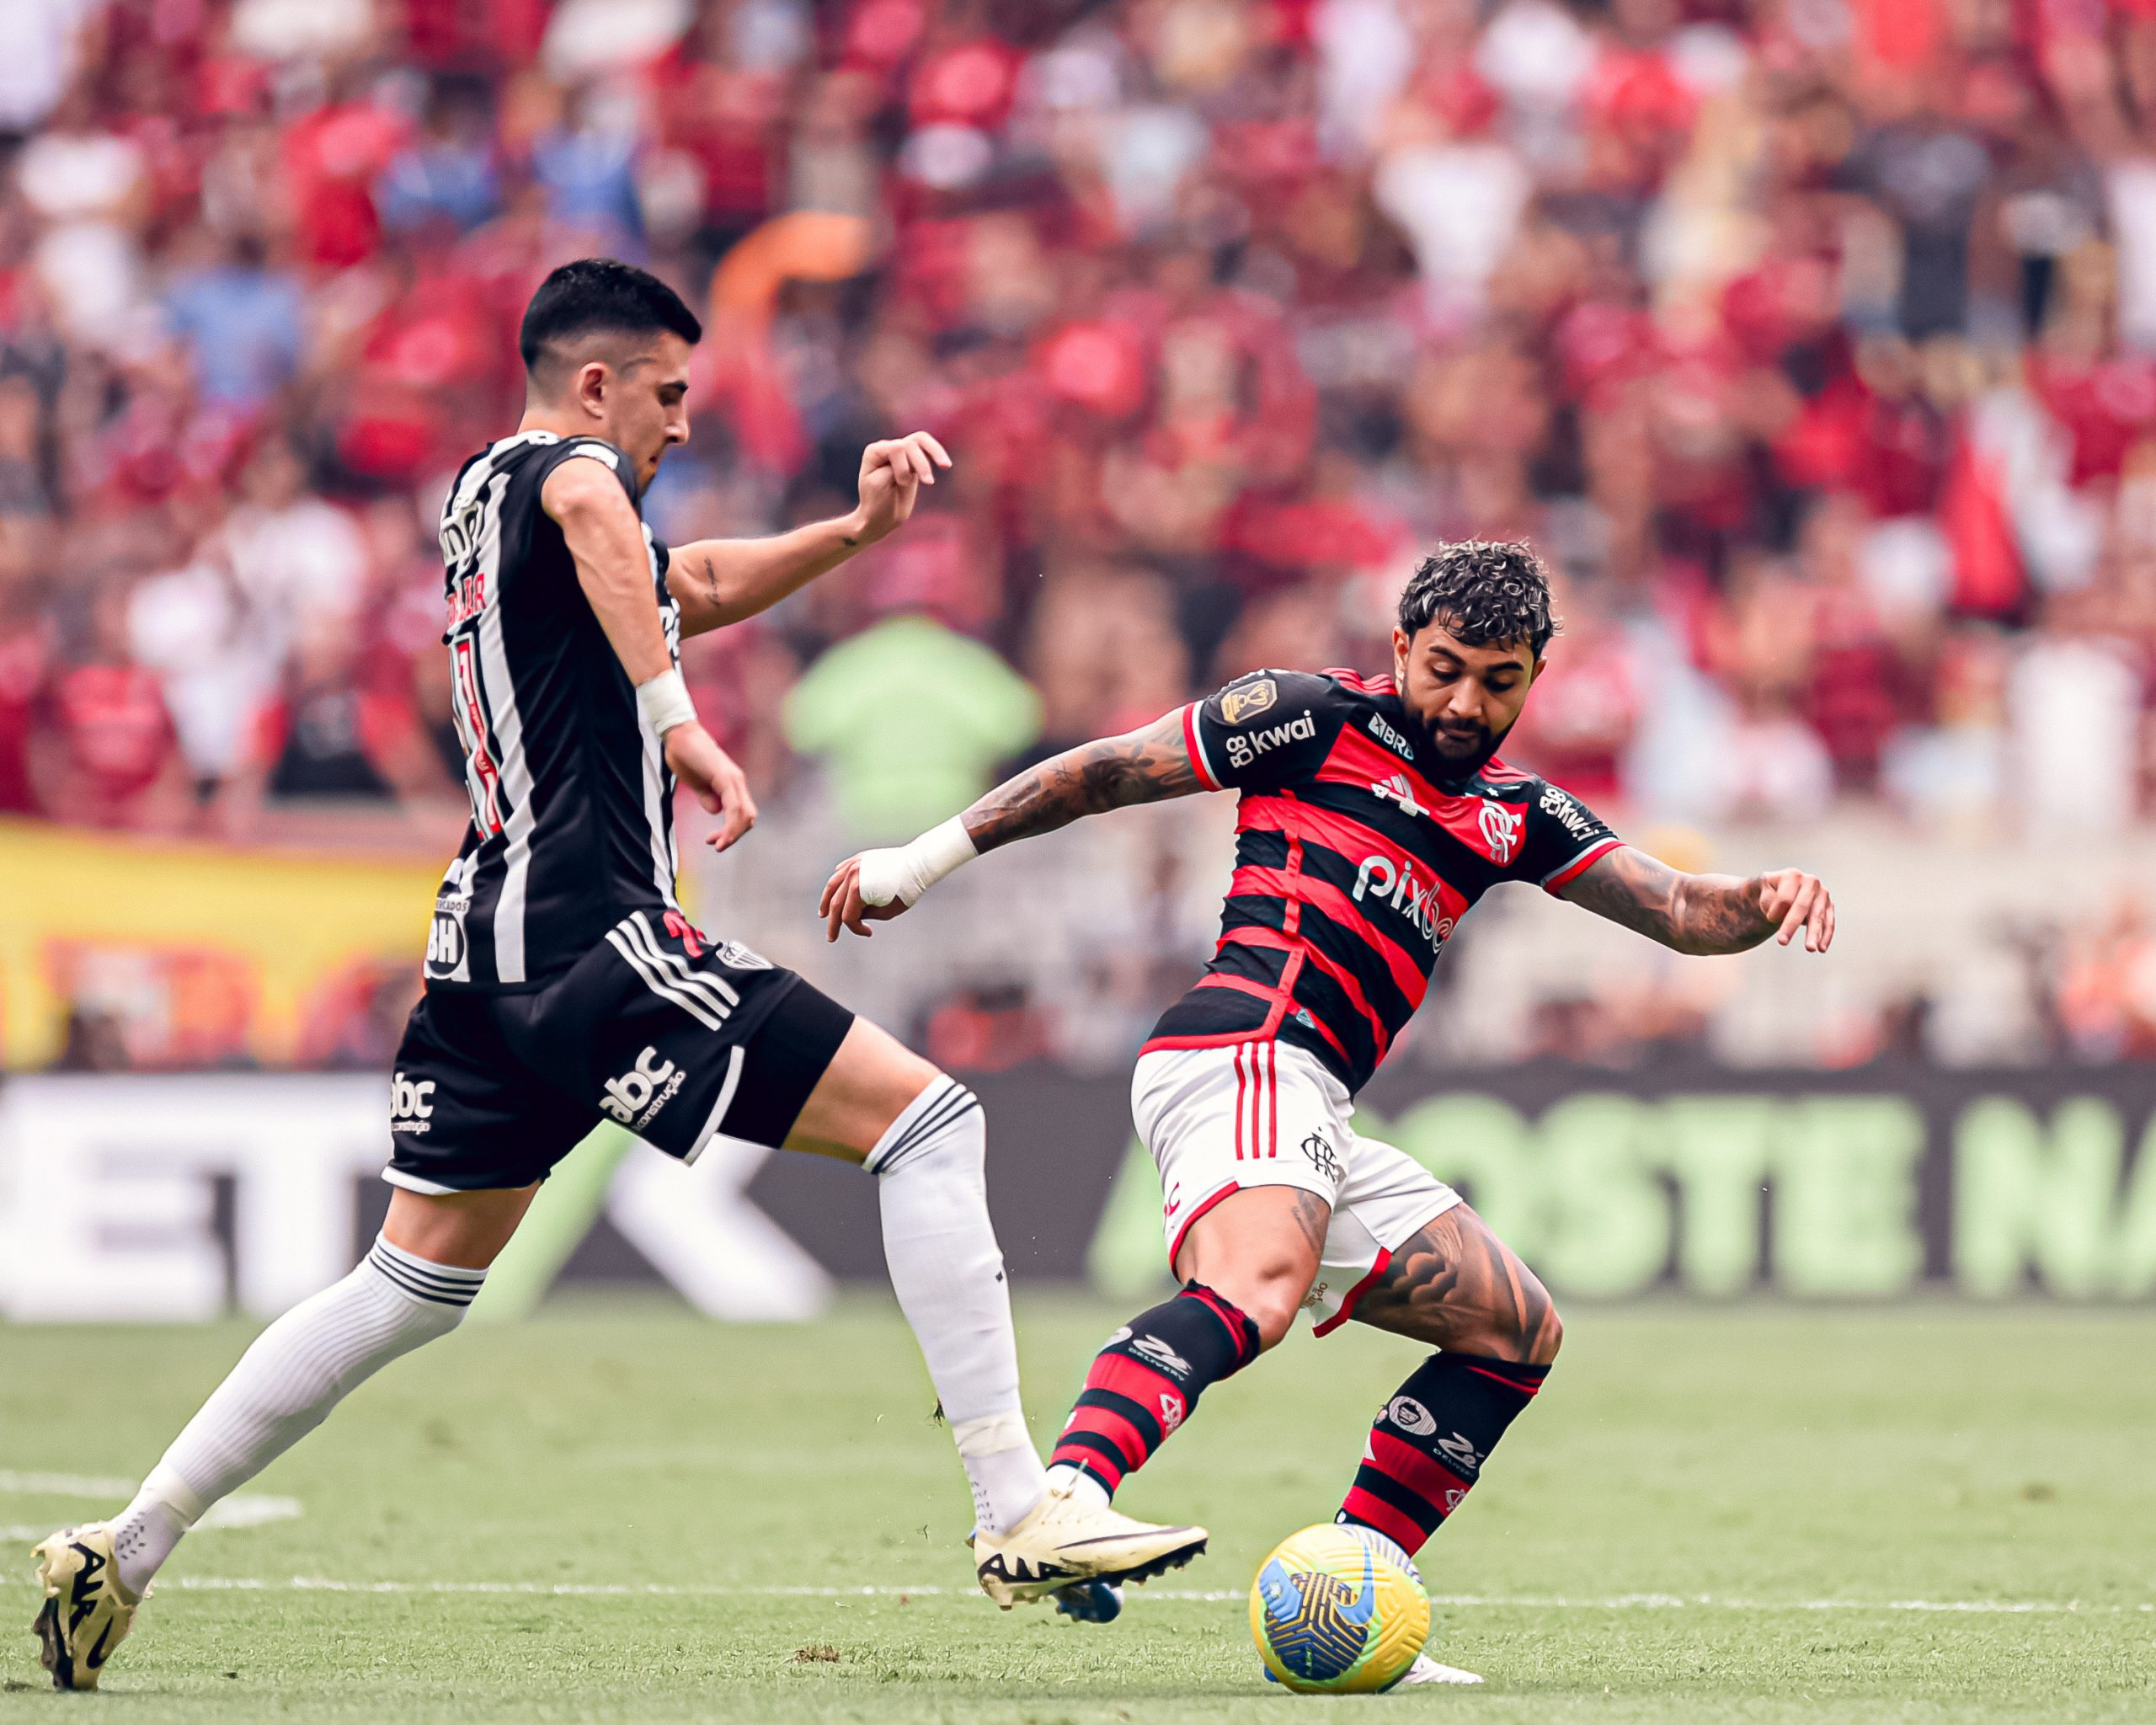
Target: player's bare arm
{"x": 599, "y": 526}
{"x": 1148, "y": 765}
{"x": 1706, "y": 913}
{"x": 721, "y": 581}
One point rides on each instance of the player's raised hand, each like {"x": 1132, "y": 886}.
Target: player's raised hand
{"x": 843, "y": 905}
{"x": 718, "y": 784}
{"x": 892, "y": 474}
{"x": 1796, "y": 900}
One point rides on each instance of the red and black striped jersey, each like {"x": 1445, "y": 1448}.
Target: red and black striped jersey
{"x": 1355, "y": 858}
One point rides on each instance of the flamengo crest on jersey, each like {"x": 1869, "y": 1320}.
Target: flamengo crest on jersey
{"x": 572, "y": 804}
{"x": 1355, "y": 857}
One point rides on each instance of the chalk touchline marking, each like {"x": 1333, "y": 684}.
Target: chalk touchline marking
{"x": 1559, "y": 1602}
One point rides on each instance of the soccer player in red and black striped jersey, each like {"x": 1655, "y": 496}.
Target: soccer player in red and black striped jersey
{"x": 1375, "y": 812}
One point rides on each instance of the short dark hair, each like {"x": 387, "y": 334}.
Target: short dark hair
{"x": 1483, "y": 591}
{"x": 602, "y": 293}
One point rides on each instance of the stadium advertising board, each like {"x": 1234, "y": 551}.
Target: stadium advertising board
{"x": 171, "y": 954}
{"x": 185, "y": 1195}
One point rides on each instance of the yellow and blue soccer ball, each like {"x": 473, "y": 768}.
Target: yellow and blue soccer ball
{"x": 1338, "y": 1610}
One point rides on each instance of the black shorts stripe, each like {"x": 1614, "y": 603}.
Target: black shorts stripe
{"x": 942, "y": 1113}
{"x": 390, "y": 1271}
{"x": 445, "y": 1279}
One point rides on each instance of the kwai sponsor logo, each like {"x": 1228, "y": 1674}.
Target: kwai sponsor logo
{"x": 1245, "y": 746}
{"x": 1575, "y": 820}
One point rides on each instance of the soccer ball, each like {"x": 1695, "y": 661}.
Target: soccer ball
{"x": 1338, "y": 1610}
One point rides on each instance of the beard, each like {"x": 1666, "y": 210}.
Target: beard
{"x": 1465, "y": 751}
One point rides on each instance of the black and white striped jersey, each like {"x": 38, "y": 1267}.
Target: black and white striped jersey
{"x": 572, "y": 804}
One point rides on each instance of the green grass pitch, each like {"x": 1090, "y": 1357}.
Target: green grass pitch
{"x": 1758, "y": 1514}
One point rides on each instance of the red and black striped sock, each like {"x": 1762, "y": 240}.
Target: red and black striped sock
{"x": 1428, "y": 1447}
{"x": 1147, "y": 1380}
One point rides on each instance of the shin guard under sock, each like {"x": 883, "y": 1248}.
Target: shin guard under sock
{"x": 1428, "y": 1447}
{"x": 1146, "y": 1382}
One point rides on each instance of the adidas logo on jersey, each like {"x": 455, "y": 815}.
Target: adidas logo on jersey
{"x": 1390, "y": 738}
{"x": 1245, "y": 746}
{"x": 635, "y": 1098}
{"x": 1397, "y": 789}
{"x": 411, "y": 1106}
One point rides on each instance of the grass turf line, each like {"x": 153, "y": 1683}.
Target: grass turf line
{"x": 1800, "y": 1472}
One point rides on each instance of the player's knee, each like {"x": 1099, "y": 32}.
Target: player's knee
{"x": 1524, "y": 1329}
{"x": 1269, "y": 1293}
{"x": 1542, "y": 1347}
{"x": 942, "y": 1125}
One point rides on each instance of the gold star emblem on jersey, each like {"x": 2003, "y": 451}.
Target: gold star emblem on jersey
{"x": 1247, "y": 702}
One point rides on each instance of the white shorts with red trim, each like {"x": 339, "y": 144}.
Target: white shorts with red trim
{"x": 1269, "y": 1113}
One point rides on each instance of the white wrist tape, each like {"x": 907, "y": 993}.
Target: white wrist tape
{"x": 905, "y": 872}
{"x": 665, "y": 702}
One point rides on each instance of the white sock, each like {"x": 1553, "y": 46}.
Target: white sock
{"x": 948, "y": 1271}
{"x": 284, "y": 1386}
{"x": 1079, "y": 1483}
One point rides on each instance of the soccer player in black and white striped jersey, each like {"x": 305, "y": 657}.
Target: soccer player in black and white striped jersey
{"x": 565, "y": 986}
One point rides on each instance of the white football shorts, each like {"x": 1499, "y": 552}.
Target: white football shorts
{"x": 1269, "y": 1113}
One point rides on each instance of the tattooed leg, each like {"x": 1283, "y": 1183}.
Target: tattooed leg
{"x": 1457, "y": 1285}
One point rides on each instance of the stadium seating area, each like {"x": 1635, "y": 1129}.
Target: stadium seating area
{"x": 1814, "y": 341}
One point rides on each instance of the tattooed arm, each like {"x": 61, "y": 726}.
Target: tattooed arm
{"x": 1706, "y": 913}
{"x": 1145, "y": 765}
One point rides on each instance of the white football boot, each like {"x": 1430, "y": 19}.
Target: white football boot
{"x": 1065, "y": 1538}
{"x": 1425, "y": 1670}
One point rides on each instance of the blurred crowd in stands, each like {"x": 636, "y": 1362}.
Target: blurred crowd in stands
{"x": 1812, "y": 341}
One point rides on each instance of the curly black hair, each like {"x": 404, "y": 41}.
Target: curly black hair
{"x": 1483, "y": 591}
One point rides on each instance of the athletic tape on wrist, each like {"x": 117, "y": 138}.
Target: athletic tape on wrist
{"x": 665, "y": 702}
{"x": 907, "y": 870}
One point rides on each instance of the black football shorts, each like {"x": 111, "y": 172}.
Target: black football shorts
{"x": 657, "y": 1028}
